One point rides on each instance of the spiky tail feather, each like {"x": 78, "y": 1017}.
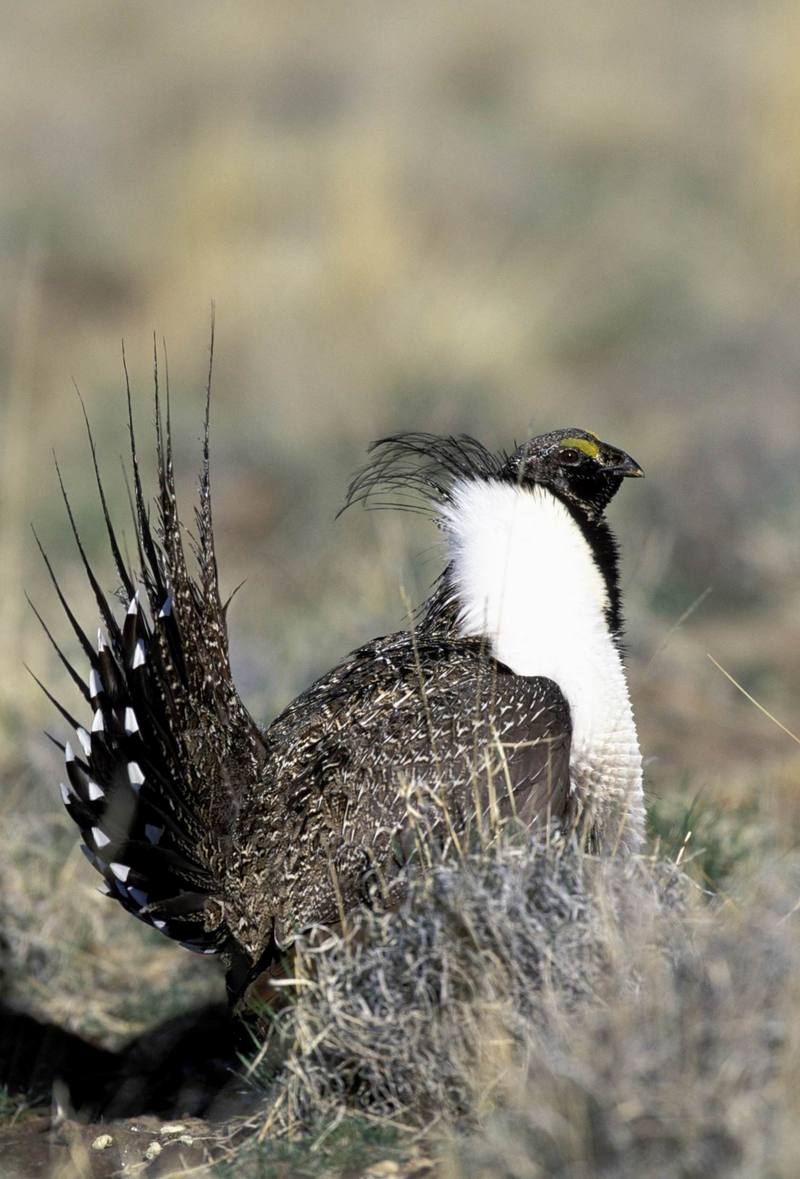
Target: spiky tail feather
{"x": 156, "y": 778}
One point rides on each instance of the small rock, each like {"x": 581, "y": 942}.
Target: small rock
{"x": 153, "y": 1151}
{"x": 186, "y": 1140}
{"x": 102, "y": 1142}
{"x": 172, "y": 1128}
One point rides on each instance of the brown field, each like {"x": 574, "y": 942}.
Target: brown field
{"x": 496, "y": 218}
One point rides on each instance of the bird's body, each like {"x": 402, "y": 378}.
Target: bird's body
{"x": 507, "y": 698}
{"x": 424, "y": 725}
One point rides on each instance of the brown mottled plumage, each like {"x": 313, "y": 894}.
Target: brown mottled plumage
{"x": 233, "y": 839}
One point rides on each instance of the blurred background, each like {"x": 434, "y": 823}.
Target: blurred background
{"x": 497, "y": 218}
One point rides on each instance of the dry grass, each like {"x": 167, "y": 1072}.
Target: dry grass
{"x": 418, "y": 1014}
{"x": 533, "y": 1011}
{"x": 690, "y": 1073}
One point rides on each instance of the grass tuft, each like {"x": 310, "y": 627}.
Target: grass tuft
{"x": 417, "y": 1014}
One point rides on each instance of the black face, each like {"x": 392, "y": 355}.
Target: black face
{"x": 576, "y": 465}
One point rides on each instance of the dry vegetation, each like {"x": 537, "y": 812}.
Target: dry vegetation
{"x": 487, "y": 217}
{"x": 538, "y": 1013}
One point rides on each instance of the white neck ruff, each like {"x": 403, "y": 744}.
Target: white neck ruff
{"x": 525, "y": 576}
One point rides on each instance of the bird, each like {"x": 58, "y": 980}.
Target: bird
{"x": 506, "y": 695}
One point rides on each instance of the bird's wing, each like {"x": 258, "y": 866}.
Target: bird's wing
{"x": 155, "y": 778}
{"x": 414, "y": 739}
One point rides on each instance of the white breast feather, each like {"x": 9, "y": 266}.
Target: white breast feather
{"x": 525, "y": 576}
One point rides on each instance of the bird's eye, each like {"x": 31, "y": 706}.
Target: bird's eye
{"x": 570, "y": 457}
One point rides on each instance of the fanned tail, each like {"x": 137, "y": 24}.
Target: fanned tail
{"x": 154, "y": 780}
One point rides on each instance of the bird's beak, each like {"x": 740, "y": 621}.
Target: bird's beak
{"x": 617, "y": 462}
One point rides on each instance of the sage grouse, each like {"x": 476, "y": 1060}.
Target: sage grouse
{"x": 508, "y": 692}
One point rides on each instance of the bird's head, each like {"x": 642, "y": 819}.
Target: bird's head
{"x": 417, "y": 472}
{"x": 575, "y": 465}
{"x": 422, "y": 473}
